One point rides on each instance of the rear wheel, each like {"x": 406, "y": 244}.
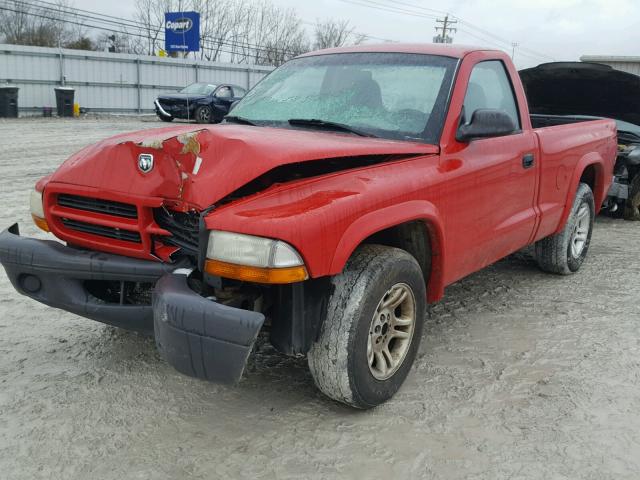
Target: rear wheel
{"x": 203, "y": 114}
{"x": 373, "y": 326}
{"x": 565, "y": 252}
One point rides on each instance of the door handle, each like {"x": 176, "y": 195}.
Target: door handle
{"x": 528, "y": 160}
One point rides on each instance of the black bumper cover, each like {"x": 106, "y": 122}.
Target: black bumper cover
{"x": 197, "y": 336}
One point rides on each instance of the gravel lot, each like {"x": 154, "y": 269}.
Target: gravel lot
{"x": 520, "y": 375}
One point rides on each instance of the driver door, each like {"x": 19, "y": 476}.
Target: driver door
{"x": 224, "y": 98}
{"x": 490, "y": 212}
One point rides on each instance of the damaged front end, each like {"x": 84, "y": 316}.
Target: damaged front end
{"x": 145, "y": 251}
{"x": 197, "y": 335}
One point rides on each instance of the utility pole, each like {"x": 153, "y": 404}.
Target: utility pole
{"x": 446, "y": 28}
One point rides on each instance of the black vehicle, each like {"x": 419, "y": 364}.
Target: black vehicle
{"x": 562, "y": 91}
{"x": 202, "y": 102}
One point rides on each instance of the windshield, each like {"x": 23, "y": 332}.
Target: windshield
{"x": 199, "y": 89}
{"x": 389, "y": 95}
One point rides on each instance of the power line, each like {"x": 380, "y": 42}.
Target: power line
{"x": 406, "y": 8}
{"x": 48, "y": 7}
{"x": 388, "y": 8}
{"x": 475, "y": 27}
{"x": 138, "y": 23}
{"x": 141, "y": 27}
{"x": 82, "y": 24}
{"x": 365, "y": 35}
{"x": 123, "y": 22}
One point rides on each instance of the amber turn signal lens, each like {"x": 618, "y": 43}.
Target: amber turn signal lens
{"x": 256, "y": 274}
{"x": 41, "y": 223}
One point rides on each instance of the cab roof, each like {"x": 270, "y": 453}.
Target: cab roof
{"x": 446, "y": 50}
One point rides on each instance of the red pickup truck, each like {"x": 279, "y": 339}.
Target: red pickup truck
{"x": 342, "y": 194}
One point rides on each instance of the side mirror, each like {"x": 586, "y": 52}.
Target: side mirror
{"x": 486, "y": 123}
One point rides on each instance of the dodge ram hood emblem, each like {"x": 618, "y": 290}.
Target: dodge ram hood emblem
{"x": 145, "y": 162}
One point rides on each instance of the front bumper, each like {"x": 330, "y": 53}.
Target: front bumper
{"x": 160, "y": 110}
{"x": 197, "y": 336}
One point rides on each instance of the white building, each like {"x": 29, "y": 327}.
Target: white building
{"x": 625, "y": 64}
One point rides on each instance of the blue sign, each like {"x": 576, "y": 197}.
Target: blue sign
{"x": 182, "y": 31}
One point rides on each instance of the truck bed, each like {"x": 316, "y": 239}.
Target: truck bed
{"x": 565, "y": 141}
{"x": 542, "y": 121}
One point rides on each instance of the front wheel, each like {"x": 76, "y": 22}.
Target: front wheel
{"x": 565, "y": 252}
{"x": 372, "y": 330}
{"x": 203, "y": 114}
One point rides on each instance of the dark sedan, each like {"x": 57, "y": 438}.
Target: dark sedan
{"x": 202, "y": 102}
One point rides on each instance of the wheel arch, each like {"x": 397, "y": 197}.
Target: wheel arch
{"x": 590, "y": 170}
{"x": 414, "y": 226}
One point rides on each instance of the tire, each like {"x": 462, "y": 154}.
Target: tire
{"x": 203, "y": 114}
{"x": 564, "y": 252}
{"x": 632, "y": 208}
{"x": 165, "y": 119}
{"x": 342, "y": 365}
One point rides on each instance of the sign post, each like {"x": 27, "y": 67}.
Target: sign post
{"x": 182, "y": 31}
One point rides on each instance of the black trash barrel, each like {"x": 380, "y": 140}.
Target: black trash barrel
{"x": 9, "y": 102}
{"x": 64, "y": 101}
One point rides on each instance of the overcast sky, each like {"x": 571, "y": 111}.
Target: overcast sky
{"x": 544, "y": 29}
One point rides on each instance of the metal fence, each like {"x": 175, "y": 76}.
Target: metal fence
{"x": 109, "y": 82}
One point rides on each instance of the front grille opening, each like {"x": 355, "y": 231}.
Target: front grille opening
{"x": 120, "y": 292}
{"x": 98, "y": 205}
{"x": 102, "y": 231}
{"x": 184, "y": 229}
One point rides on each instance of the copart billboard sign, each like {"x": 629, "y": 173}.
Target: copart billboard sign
{"x": 182, "y": 31}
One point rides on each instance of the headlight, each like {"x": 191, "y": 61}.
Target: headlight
{"x": 253, "y": 259}
{"x": 37, "y": 210}
{"x": 35, "y": 204}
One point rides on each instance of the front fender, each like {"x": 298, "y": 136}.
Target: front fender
{"x": 388, "y": 217}
{"x": 325, "y": 218}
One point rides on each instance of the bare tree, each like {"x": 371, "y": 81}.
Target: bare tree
{"x": 257, "y": 32}
{"x": 285, "y": 40}
{"x": 82, "y": 43}
{"x": 332, "y": 33}
{"x": 217, "y": 22}
{"x": 42, "y": 25}
{"x": 267, "y": 35}
{"x": 150, "y": 16}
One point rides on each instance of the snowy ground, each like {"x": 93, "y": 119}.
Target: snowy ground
{"x": 520, "y": 375}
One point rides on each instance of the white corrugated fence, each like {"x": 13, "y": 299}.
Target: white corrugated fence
{"x": 109, "y": 82}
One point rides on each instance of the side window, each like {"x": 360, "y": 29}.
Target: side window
{"x": 239, "y": 92}
{"x": 489, "y": 87}
{"x": 223, "y": 92}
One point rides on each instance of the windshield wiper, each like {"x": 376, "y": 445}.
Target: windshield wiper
{"x": 240, "y": 120}
{"x": 314, "y": 122}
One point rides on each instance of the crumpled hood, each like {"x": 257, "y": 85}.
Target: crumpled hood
{"x": 197, "y": 167}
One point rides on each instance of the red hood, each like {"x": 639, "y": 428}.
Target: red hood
{"x": 197, "y": 167}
